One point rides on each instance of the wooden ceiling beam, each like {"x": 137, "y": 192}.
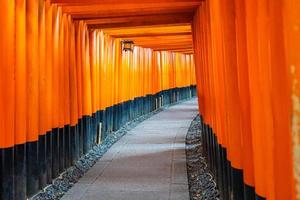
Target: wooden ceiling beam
{"x": 163, "y": 47}
{"x": 155, "y": 29}
{"x": 123, "y": 25}
{"x": 108, "y": 9}
{"x": 170, "y": 17}
{"x": 113, "y": 13}
{"x": 179, "y": 49}
{"x": 85, "y": 2}
{"x": 170, "y": 47}
{"x": 140, "y": 20}
{"x": 183, "y": 50}
{"x": 83, "y": 16}
{"x": 169, "y": 36}
{"x": 151, "y": 35}
{"x": 165, "y": 39}
{"x": 170, "y": 43}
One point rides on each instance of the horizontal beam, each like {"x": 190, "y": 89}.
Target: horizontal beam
{"x": 85, "y": 2}
{"x": 139, "y": 20}
{"x": 124, "y": 9}
{"x": 174, "y": 47}
{"x": 163, "y": 43}
{"x": 172, "y": 38}
{"x": 121, "y": 25}
{"x": 178, "y": 49}
{"x": 129, "y": 13}
{"x": 146, "y": 35}
{"x": 181, "y": 45}
{"x": 155, "y": 29}
{"x": 183, "y": 50}
{"x": 167, "y": 42}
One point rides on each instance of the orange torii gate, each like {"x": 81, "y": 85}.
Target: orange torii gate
{"x": 62, "y": 72}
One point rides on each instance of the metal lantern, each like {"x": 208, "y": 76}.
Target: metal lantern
{"x": 127, "y": 45}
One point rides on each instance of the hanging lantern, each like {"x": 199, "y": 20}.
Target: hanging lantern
{"x": 127, "y": 45}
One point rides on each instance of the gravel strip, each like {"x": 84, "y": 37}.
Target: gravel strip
{"x": 202, "y": 184}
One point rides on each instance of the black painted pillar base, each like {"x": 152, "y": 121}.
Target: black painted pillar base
{"x": 7, "y": 173}
{"x": 85, "y": 131}
{"x": 237, "y": 183}
{"x": 103, "y": 124}
{"x": 49, "y": 156}
{"x": 117, "y": 116}
{"x": 32, "y": 169}
{"x": 74, "y": 142}
{"x": 67, "y": 143}
{"x": 61, "y": 147}
{"x": 55, "y": 153}
{"x": 226, "y": 189}
{"x": 80, "y": 133}
{"x": 249, "y": 192}
{"x": 229, "y": 179}
{"x": 19, "y": 172}
{"x": 220, "y": 170}
{"x": 93, "y": 129}
{"x": 111, "y": 119}
{"x": 42, "y": 162}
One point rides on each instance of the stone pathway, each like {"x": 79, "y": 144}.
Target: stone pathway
{"x": 148, "y": 163}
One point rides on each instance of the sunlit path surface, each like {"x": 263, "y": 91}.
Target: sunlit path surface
{"x": 147, "y": 163}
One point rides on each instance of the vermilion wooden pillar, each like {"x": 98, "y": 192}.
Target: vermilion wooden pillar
{"x": 243, "y": 86}
{"x": 7, "y": 97}
{"x": 21, "y": 102}
{"x": 291, "y": 18}
{"x": 32, "y": 64}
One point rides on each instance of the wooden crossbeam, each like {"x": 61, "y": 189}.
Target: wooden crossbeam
{"x": 139, "y": 20}
{"x": 85, "y": 2}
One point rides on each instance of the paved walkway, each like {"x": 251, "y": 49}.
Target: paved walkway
{"x": 148, "y": 163}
